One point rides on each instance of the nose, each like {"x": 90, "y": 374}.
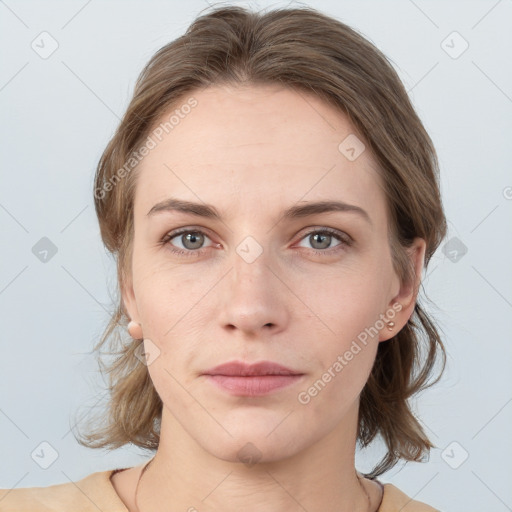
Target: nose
{"x": 253, "y": 298}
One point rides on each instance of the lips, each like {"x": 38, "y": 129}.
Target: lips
{"x": 240, "y": 369}
{"x": 252, "y": 380}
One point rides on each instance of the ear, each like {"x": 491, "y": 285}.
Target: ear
{"x": 404, "y": 301}
{"x": 130, "y": 306}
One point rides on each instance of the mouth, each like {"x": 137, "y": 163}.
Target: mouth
{"x": 241, "y": 379}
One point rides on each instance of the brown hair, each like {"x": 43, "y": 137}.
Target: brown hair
{"x": 310, "y": 52}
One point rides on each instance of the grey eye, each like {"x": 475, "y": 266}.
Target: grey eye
{"x": 189, "y": 240}
{"x": 321, "y": 240}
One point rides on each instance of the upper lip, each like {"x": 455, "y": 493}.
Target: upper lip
{"x": 241, "y": 369}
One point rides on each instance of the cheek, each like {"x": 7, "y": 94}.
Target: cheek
{"x": 344, "y": 303}
{"x": 347, "y": 307}
{"x": 167, "y": 293}
{"x": 174, "y": 312}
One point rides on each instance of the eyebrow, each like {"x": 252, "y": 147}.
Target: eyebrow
{"x": 294, "y": 212}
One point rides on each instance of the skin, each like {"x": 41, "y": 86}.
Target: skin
{"x": 251, "y": 152}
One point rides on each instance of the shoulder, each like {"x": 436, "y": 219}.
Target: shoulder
{"x": 395, "y": 500}
{"x": 90, "y": 494}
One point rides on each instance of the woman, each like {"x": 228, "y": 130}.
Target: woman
{"x": 272, "y": 198}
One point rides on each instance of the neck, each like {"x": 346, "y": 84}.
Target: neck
{"x": 185, "y": 476}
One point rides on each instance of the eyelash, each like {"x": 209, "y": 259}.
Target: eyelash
{"x": 345, "y": 241}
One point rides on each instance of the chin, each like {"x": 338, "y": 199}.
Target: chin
{"x": 249, "y": 451}
{"x": 255, "y": 442}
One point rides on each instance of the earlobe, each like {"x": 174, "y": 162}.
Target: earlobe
{"x": 135, "y": 330}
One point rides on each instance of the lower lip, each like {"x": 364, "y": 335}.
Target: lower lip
{"x": 257, "y": 385}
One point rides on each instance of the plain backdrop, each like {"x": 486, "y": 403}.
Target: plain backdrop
{"x": 59, "y": 111}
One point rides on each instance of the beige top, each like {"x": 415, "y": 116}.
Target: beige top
{"x": 95, "y": 492}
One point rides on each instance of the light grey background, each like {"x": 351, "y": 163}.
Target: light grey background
{"x": 58, "y": 114}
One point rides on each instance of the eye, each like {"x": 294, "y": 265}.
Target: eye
{"x": 191, "y": 241}
{"x": 321, "y": 240}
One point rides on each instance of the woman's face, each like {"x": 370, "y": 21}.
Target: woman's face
{"x": 307, "y": 289}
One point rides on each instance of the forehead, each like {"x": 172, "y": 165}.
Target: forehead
{"x": 256, "y": 147}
